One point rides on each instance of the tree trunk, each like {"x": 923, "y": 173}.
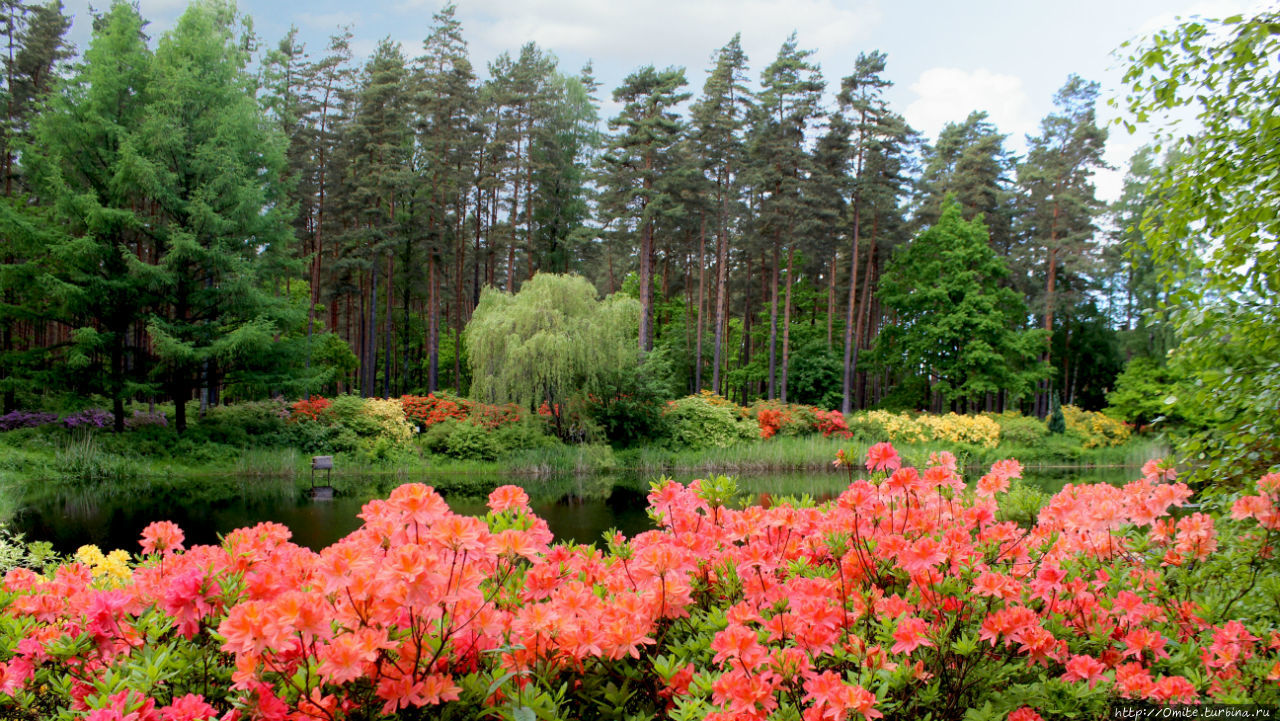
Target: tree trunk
{"x": 850, "y": 345}
{"x": 773, "y": 325}
{"x": 831, "y": 297}
{"x": 702, "y": 294}
{"x": 786, "y": 328}
{"x": 864, "y": 315}
{"x": 390, "y": 337}
{"x": 433, "y": 328}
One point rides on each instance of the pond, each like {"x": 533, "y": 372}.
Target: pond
{"x": 579, "y": 508}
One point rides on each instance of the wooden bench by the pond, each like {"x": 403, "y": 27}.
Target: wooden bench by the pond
{"x": 321, "y": 463}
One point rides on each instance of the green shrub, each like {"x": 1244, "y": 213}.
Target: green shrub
{"x": 524, "y": 434}
{"x": 707, "y": 421}
{"x": 470, "y": 442}
{"x": 258, "y": 423}
{"x": 437, "y": 435}
{"x": 1019, "y": 430}
{"x": 1057, "y": 424}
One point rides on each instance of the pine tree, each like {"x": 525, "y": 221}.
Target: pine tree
{"x": 446, "y": 104}
{"x": 970, "y": 162}
{"x": 376, "y": 183}
{"x": 1058, "y": 194}
{"x": 791, "y": 90}
{"x": 647, "y": 130}
{"x": 720, "y": 116}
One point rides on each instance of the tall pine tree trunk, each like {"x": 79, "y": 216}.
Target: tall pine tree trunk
{"x": 786, "y": 328}
{"x": 702, "y": 294}
{"x": 831, "y": 297}
{"x": 390, "y": 337}
{"x": 433, "y": 328}
{"x": 722, "y": 270}
{"x": 773, "y": 325}
{"x": 846, "y": 399}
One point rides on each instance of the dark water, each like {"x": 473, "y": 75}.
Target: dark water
{"x": 579, "y": 508}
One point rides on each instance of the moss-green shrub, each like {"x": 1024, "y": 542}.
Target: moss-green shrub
{"x": 470, "y": 442}
{"x": 259, "y": 423}
{"x": 1019, "y": 430}
{"x": 699, "y": 422}
{"x": 524, "y": 434}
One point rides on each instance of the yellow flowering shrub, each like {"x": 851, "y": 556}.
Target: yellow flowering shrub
{"x": 949, "y": 428}
{"x": 388, "y": 414}
{"x": 112, "y": 568}
{"x": 898, "y": 427}
{"x": 955, "y": 428}
{"x": 1095, "y": 429}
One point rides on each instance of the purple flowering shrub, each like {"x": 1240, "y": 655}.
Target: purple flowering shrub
{"x": 87, "y": 418}
{"x": 14, "y": 420}
{"x": 140, "y": 419}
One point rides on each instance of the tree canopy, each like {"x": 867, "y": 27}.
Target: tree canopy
{"x": 551, "y": 340}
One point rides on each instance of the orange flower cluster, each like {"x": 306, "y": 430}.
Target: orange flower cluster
{"x": 309, "y": 409}
{"x": 426, "y": 411}
{"x": 905, "y": 582}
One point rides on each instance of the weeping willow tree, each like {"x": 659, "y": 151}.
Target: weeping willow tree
{"x": 549, "y": 342}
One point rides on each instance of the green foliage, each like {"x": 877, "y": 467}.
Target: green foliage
{"x": 1147, "y": 393}
{"x": 1213, "y": 240}
{"x": 1057, "y": 423}
{"x": 708, "y": 421}
{"x": 956, "y": 318}
{"x": 548, "y": 343}
{"x": 1019, "y": 430}
{"x": 814, "y": 376}
{"x": 261, "y": 422}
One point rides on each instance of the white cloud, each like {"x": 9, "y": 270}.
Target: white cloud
{"x": 947, "y": 95}
{"x": 664, "y": 32}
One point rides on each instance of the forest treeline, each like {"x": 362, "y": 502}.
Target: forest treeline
{"x": 210, "y": 215}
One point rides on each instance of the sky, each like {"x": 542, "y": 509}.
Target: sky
{"x": 945, "y": 58}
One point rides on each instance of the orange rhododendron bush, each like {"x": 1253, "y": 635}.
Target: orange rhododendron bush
{"x": 905, "y": 595}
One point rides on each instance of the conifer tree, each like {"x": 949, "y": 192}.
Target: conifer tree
{"x": 212, "y": 166}
{"x": 647, "y": 130}
{"x": 104, "y": 284}
{"x": 789, "y": 101}
{"x": 719, "y": 117}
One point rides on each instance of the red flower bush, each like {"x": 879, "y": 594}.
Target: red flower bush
{"x": 907, "y": 594}
{"x": 309, "y": 409}
{"x": 832, "y": 423}
{"x": 426, "y": 411}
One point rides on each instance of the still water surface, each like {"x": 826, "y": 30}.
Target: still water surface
{"x": 576, "y": 508}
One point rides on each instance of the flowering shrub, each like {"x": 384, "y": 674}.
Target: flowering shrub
{"x": 1095, "y": 429}
{"x": 954, "y": 428}
{"x": 143, "y": 419}
{"x": 949, "y": 428}
{"x": 897, "y": 427}
{"x": 314, "y": 408}
{"x": 832, "y": 423}
{"x": 88, "y": 418}
{"x": 789, "y": 419}
{"x": 426, "y": 411}
{"x": 14, "y": 420}
{"x": 904, "y": 597}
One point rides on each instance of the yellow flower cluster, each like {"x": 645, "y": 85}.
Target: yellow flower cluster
{"x": 388, "y": 413}
{"x": 900, "y": 428}
{"x": 1095, "y": 429}
{"x": 112, "y": 568}
{"x": 955, "y": 428}
{"x": 949, "y": 428}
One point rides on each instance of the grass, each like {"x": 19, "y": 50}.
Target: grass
{"x": 86, "y": 458}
